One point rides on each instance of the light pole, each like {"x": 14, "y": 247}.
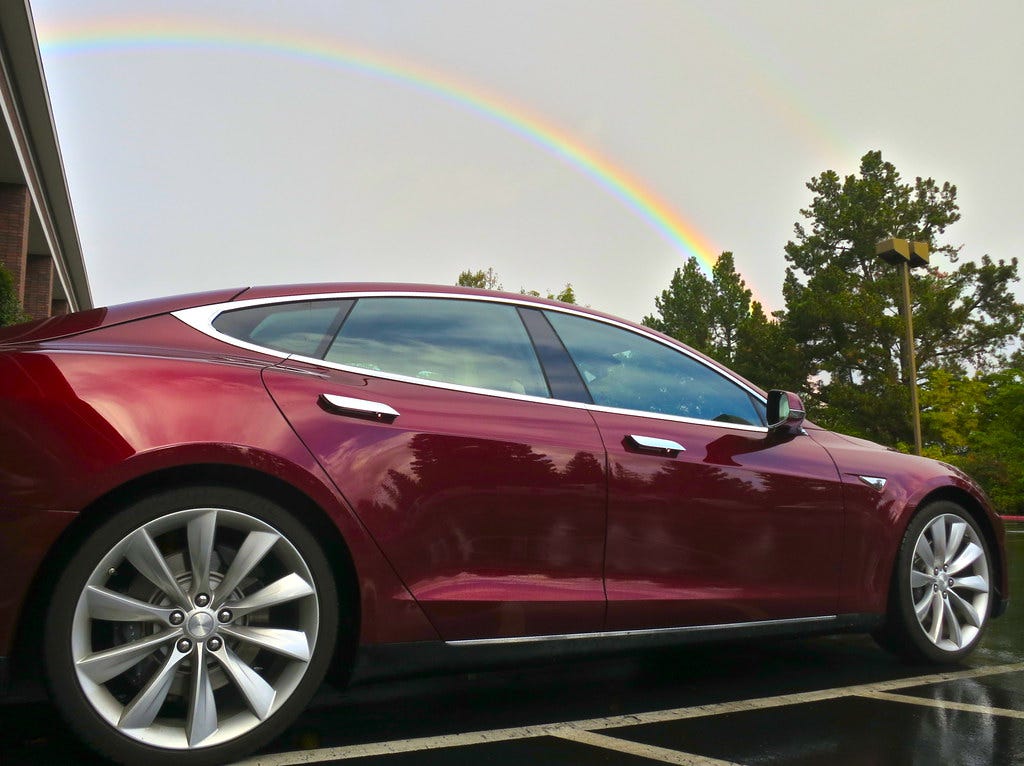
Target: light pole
{"x": 906, "y": 255}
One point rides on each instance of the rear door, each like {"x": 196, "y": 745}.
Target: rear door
{"x": 433, "y": 416}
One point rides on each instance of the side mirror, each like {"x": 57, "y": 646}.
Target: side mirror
{"x": 785, "y": 412}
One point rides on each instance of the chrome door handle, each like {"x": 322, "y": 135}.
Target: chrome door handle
{"x": 654, "y": 445}
{"x": 357, "y": 408}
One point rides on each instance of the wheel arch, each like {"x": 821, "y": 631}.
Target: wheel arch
{"x": 28, "y": 653}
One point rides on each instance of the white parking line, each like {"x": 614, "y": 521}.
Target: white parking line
{"x": 635, "y": 719}
{"x": 944, "y": 704}
{"x": 651, "y": 752}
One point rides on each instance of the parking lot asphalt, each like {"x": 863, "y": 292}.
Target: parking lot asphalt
{"x": 836, "y": 700}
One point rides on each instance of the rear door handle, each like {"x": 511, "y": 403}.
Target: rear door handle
{"x": 654, "y": 445}
{"x": 357, "y": 408}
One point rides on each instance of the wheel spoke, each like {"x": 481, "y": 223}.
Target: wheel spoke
{"x": 146, "y": 557}
{"x": 143, "y": 710}
{"x": 953, "y": 623}
{"x": 937, "y": 614}
{"x": 108, "y": 605}
{"x": 102, "y": 666}
{"x": 288, "y": 588}
{"x": 938, "y": 531}
{"x": 970, "y": 554}
{"x": 923, "y": 550}
{"x": 258, "y": 694}
{"x": 201, "y": 533}
{"x": 957, "y": 530}
{"x": 920, "y": 579}
{"x": 922, "y": 606}
{"x": 255, "y": 547}
{"x": 975, "y": 582}
{"x": 966, "y": 609}
{"x": 202, "y": 708}
{"x": 289, "y": 643}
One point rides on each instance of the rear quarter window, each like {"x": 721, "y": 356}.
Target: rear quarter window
{"x": 304, "y": 328}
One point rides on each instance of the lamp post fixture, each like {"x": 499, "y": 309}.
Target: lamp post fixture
{"x": 906, "y": 255}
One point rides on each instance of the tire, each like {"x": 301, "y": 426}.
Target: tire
{"x": 940, "y": 604}
{"x": 155, "y": 657}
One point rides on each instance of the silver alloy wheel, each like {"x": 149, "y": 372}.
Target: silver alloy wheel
{"x": 194, "y": 628}
{"x": 950, "y": 582}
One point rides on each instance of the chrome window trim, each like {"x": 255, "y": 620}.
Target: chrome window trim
{"x": 201, "y": 318}
{"x": 644, "y": 632}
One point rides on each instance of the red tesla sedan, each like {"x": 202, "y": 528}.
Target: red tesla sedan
{"x": 208, "y": 501}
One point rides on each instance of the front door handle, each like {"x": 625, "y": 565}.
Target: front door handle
{"x": 654, "y": 445}
{"x": 357, "y": 408}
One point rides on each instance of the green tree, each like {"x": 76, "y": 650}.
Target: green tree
{"x": 975, "y": 423}
{"x": 842, "y": 302}
{"x": 684, "y": 308}
{"x": 950, "y": 414}
{"x": 568, "y": 295}
{"x": 996, "y": 457}
{"x": 488, "y": 280}
{"x": 484, "y": 280}
{"x": 716, "y": 316}
{"x": 728, "y": 309}
{"x": 766, "y": 353}
{"x": 10, "y": 308}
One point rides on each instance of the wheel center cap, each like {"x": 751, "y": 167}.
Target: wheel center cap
{"x": 200, "y": 625}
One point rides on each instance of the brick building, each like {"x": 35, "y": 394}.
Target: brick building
{"x": 38, "y": 239}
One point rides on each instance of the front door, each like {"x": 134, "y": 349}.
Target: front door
{"x": 711, "y": 519}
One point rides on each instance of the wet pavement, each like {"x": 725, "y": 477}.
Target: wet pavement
{"x": 836, "y": 700}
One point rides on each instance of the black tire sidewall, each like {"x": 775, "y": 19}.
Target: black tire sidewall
{"x": 60, "y": 673}
{"x": 911, "y": 634}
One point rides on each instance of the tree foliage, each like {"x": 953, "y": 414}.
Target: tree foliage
{"x": 842, "y": 301}
{"x": 10, "y": 308}
{"x": 975, "y": 423}
{"x": 567, "y": 295}
{"x": 717, "y": 317}
{"x": 684, "y": 308}
{"x": 767, "y": 355}
{"x": 484, "y": 280}
{"x": 488, "y": 280}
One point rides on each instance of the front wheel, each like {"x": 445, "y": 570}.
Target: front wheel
{"x": 940, "y": 604}
{"x": 190, "y": 628}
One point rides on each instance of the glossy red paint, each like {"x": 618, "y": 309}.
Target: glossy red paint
{"x": 88, "y": 415}
{"x": 492, "y": 510}
{"x": 473, "y": 514}
{"x": 742, "y": 525}
{"x": 876, "y": 519}
{"x": 84, "y": 321}
{"x": 26, "y": 539}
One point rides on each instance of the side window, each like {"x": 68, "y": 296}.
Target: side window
{"x": 469, "y": 343}
{"x": 626, "y": 370}
{"x": 304, "y": 327}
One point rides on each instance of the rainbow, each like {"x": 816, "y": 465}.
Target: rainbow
{"x": 91, "y": 37}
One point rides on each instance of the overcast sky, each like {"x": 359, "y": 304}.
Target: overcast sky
{"x": 598, "y": 142}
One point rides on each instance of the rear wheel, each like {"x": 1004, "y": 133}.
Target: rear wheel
{"x": 940, "y": 603}
{"x": 191, "y": 628}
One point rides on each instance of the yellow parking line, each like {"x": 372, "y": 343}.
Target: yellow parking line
{"x": 635, "y": 719}
{"x": 944, "y": 704}
{"x": 651, "y": 752}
